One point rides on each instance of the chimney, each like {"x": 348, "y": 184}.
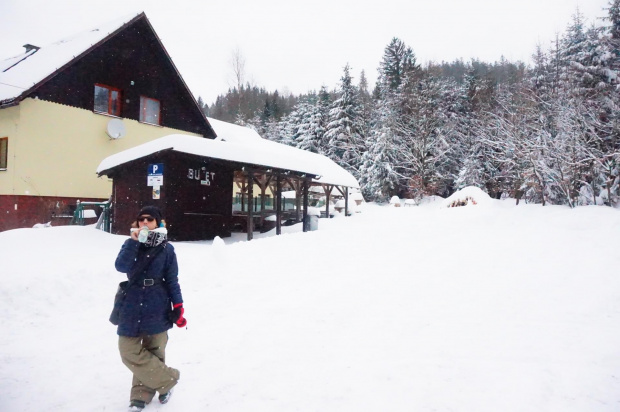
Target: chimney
{"x": 30, "y": 47}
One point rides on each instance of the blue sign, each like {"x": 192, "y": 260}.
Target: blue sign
{"x": 156, "y": 169}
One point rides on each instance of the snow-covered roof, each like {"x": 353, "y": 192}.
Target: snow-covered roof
{"x": 230, "y": 132}
{"x": 243, "y": 145}
{"x": 20, "y": 73}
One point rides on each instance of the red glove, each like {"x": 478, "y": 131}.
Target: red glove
{"x": 177, "y": 315}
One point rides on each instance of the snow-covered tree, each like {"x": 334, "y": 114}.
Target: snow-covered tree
{"x": 378, "y": 177}
{"x": 421, "y": 128}
{"x": 344, "y": 129}
{"x": 366, "y": 106}
{"x": 309, "y": 131}
{"x": 398, "y": 60}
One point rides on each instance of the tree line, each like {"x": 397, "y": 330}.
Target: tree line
{"x": 547, "y": 132}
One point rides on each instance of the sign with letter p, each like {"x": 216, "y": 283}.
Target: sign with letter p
{"x": 156, "y": 169}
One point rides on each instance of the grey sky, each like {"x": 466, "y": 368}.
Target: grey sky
{"x": 300, "y": 47}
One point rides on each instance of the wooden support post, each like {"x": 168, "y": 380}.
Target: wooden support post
{"x": 263, "y": 183}
{"x": 298, "y": 197}
{"x": 243, "y": 190}
{"x": 305, "y": 194}
{"x": 292, "y": 184}
{"x": 250, "y": 225}
{"x": 345, "y": 193}
{"x": 278, "y": 205}
{"x": 328, "y": 193}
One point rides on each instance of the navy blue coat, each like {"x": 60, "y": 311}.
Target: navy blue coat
{"x": 145, "y": 308}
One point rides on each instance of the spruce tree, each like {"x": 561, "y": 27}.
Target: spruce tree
{"x": 398, "y": 59}
{"x": 322, "y": 119}
{"x": 344, "y": 129}
{"x": 421, "y": 133}
{"x": 379, "y": 180}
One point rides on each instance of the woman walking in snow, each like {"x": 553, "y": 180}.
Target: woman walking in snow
{"x": 153, "y": 302}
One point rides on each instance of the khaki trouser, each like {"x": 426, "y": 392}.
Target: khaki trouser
{"x": 145, "y": 357}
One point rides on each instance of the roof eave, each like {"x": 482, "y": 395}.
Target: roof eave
{"x": 284, "y": 172}
{"x": 11, "y": 102}
{"x": 110, "y": 170}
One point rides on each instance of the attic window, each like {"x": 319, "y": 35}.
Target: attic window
{"x": 149, "y": 110}
{"x": 107, "y": 100}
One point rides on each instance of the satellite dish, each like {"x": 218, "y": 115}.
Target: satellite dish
{"x": 116, "y": 129}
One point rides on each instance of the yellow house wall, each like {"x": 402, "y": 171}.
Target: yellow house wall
{"x": 54, "y": 150}
{"x": 9, "y": 118}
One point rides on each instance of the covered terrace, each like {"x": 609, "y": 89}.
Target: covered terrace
{"x": 198, "y": 176}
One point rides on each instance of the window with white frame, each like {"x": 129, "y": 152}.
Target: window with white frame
{"x": 149, "y": 110}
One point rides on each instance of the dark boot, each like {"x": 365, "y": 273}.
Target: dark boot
{"x": 136, "y": 406}
{"x": 164, "y": 398}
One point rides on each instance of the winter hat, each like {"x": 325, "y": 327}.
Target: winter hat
{"x": 151, "y": 211}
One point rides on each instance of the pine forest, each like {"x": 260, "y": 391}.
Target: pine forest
{"x": 545, "y": 132}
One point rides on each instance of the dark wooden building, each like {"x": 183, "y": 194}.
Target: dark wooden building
{"x": 192, "y": 180}
{"x": 195, "y": 197}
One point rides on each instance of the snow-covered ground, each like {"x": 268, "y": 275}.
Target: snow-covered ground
{"x": 492, "y": 307}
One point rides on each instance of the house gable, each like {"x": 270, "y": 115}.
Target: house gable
{"x": 134, "y": 61}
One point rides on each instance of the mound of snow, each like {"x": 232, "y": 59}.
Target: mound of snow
{"x": 427, "y": 200}
{"x": 218, "y": 243}
{"x": 467, "y": 196}
{"x": 42, "y": 225}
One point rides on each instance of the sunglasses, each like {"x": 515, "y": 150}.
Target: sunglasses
{"x": 147, "y": 218}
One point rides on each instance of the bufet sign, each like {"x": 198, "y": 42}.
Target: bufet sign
{"x": 155, "y": 178}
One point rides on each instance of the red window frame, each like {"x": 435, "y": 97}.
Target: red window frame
{"x": 4, "y": 153}
{"x": 112, "y": 109}
{"x": 143, "y": 115}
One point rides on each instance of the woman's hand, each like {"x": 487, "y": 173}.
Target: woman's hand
{"x": 177, "y": 315}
